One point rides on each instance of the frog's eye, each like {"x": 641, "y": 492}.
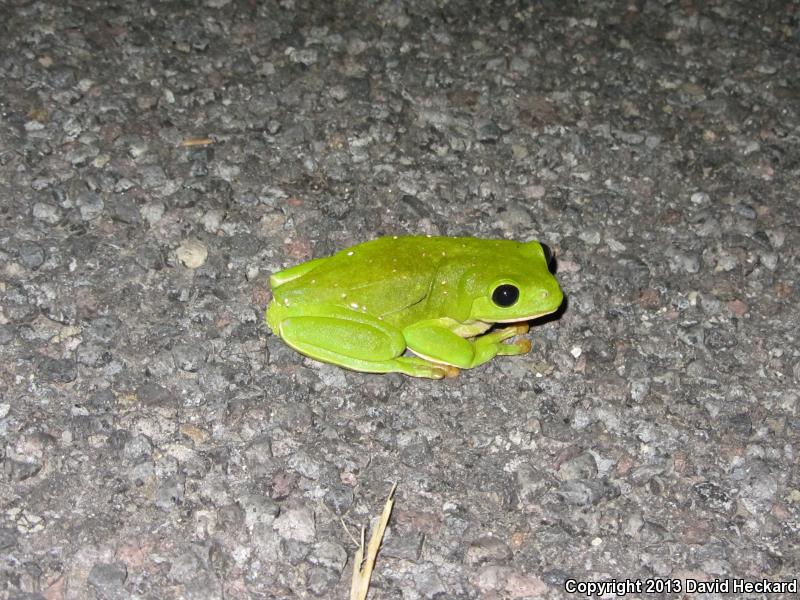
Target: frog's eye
{"x": 505, "y": 295}
{"x": 548, "y": 257}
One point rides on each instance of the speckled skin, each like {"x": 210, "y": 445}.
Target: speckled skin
{"x": 362, "y": 307}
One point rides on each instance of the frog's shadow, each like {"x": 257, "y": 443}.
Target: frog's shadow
{"x": 557, "y": 313}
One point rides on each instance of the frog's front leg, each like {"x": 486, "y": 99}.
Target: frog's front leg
{"x": 356, "y": 341}
{"x": 443, "y": 340}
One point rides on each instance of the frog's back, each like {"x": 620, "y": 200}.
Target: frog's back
{"x": 420, "y": 250}
{"x": 386, "y": 272}
{"x": 385, "y": 276}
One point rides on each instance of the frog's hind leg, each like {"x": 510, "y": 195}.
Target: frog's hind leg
{"x": 409, "y": 365}
{"x": 358, "y": 342}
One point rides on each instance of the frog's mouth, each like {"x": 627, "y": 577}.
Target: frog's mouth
{"x": 526, "y": 318}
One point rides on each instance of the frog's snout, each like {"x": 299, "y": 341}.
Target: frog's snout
{"x": 553, "y": 297}
{"x": 554, "y": 294}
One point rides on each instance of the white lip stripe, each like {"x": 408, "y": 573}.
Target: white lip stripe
{"x": 520, "y": 319}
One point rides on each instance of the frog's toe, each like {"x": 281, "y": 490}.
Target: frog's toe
{"x": 506, "y": 333}
{"x": 520, "y": 328}
{"x": 519, "y": 347}
{"x": 449, "y": 371}
{"x": 524, "y": 346}
{"x": 420, "y": 367}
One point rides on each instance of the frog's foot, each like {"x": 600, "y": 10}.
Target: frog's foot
{"x": 514, "y": 348}
{"x": 515, "y": 329}
{"x": 492, "y": 343}
{"x": 519, "y": 346}
{"x": 419, "y": 367}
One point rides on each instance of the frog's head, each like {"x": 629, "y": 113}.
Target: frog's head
{"x": 519, "y": 287}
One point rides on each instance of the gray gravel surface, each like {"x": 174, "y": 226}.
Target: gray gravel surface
{"x": 158, "y": 160}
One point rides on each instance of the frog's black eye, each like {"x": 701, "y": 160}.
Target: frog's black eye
{"x": 505, "y": 295}
{"x": 548, "y": 257}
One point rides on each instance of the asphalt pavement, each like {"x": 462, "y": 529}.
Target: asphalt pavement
{"x": 160, "y": 159}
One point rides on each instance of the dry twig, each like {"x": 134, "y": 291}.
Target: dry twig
{"x": 362, "y": 566}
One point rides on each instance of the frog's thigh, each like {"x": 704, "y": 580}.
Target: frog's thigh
{"x": 334, "y": 338}
{"x": 357, "y": 342}
{"x": 438, "y": 343}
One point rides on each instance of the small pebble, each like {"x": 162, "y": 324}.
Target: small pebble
{"x": 192, "y": 253}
